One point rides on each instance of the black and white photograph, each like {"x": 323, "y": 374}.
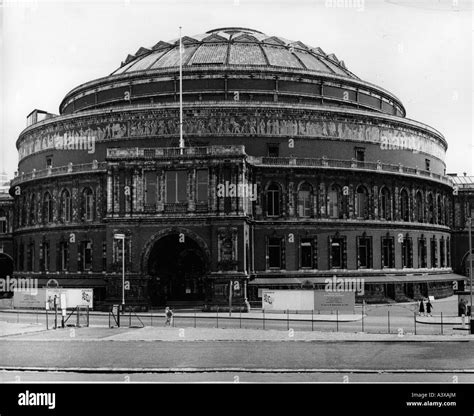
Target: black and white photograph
{"x": 236, "y": 192}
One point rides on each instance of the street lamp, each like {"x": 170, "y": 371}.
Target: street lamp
{"x": 470, "y": 273}
{"x": 122, "y": 237}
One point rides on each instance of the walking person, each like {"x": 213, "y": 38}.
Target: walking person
{"x": 429, "y": 306}
{"x": 421, "y": 310}
{"x": 169, "y": 316}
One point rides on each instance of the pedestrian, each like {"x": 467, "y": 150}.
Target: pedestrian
{"x": 462, "y": 308}
{"x": 429, "y": 306}
{"x": 421, "y": 310}
{"x": 169, "y": 316}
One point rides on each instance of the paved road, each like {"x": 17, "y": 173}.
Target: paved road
{"x": 452, "y": 356}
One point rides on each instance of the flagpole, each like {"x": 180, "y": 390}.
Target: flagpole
{"x": 181, "y": 141}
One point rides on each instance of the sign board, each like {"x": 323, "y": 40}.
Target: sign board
{"x": 334, "y": 301}
{"x": 307, "y": 300}
{"x": 29, "y": 300}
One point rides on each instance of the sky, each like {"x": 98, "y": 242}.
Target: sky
{"x": 420, "y": 50}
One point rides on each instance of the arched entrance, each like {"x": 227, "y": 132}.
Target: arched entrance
{"x": 177, "y": 270}
{"x": 6, "y": 266}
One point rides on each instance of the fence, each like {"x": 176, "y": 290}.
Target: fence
{"x": 387, "y": 322}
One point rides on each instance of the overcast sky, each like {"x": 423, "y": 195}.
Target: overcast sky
{"x": 420, "y": 50}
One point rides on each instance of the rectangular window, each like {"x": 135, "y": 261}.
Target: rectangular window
{"x": 274, "y": 253}
{"x": 63, "y": 256}
{"x": 364, "y": 255}
{"x": 388, "y": 260}
{"x": 422, "y": 257}
{"x": 3, "y": 225}
{"x": 273, "y": 150}
{"x": 407, "y": 253}
{"x": 360, "y": 154}
{"x": 337, "y": 248}
{"x": 44, "y": 256}
{"x": 31, "y": 257}
{"x": 104, "y": 256}
{"x": 448, "y": 252}
{"x": 202, "y": 185}
{"x": 176, "y": 181}
{"x": 442, "y": 253}
{"x": 306, "y": 253}
{"x": 150, "y": 189}
{"x": 434, "y": 252}
{"x": 427, "y": 164}
{"x": 86, "y": 255}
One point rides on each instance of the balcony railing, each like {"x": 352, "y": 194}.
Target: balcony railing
{"x": 347, "y": 164}
{"x": 61, "y": 170}
{"x": 167, "y": 152}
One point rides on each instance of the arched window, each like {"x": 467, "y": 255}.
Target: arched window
{"x": 404, "y": 205}
{"x": 305, "y": 200}
{"x": 334, "y": 202}
{"x": 32, "y": 209}
{"x": 439, "y": 209}
{"x": 361, "y": 205}
{"x": 430, "y": 201}
{"x": 87, "y": 204}
{"x": 47, "y": 208}
{"x": 419, "y": 207}
{"x": 273, "y": 200}
{"x": 65, "y": 207}
{"x": 385, "y": 204}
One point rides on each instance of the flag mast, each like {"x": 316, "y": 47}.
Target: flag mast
{"x": 181, "y": 141}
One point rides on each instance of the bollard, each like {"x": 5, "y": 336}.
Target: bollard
{"x": 312, "y": 320}
{"x": 337, "y": 320}
{"x": 414, "y": 317}
{"x": 441, "y": 323}
{"x": 388, "y": 316}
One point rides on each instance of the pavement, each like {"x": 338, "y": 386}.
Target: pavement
{"x": 20, "y": 332}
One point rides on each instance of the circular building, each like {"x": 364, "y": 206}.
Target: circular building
{"x": 293, "y": 171}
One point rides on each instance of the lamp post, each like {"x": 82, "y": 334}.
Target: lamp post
{"x": 122, "y": 237}
{"x": 470, "y": 274}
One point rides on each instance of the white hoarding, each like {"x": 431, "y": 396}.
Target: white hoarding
{"x": 281, "y": 300}
{"x": 38, "y": 299}
{"x": 29, "y": 299}
{"x": 73, "y": 297}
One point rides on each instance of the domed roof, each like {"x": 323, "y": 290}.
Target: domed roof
{"x": 235, "y": 46}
